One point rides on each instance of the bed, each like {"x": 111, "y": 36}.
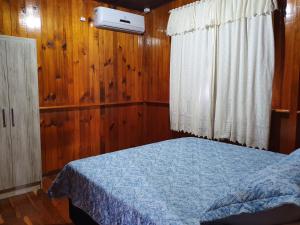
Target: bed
{"x": 170, "y": 182}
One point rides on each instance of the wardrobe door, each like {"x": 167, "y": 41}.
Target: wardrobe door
{"x": 5, "y": 148}
{"x": 24, "y": 111}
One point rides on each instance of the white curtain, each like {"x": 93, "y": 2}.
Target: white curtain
{"x": 245, "y": 68}
{"x": 222, "y": 65}
{"x": 192, "y": 74}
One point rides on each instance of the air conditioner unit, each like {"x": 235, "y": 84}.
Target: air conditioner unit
{"x": 119, "y": 20}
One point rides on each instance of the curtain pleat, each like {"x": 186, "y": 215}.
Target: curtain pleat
{"x": 192, "y": 74}
{"x": 245, "y": 68}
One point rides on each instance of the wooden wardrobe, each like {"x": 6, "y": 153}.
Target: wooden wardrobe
{"x": 20, "y": 148}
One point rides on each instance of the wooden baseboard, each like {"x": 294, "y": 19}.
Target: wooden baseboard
{"x": 20, "y": 190}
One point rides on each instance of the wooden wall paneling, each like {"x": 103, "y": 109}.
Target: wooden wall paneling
{"x": 84, "y": 73}
{"x": 56, "y": 82}
{"x": 298, "y": 108}
{"x": 121, "y": 79}
{"x": 5, "y": 21}
{"x": 138, "y": 4}
{"x": 123, "y": 127}
{"x": 157, "y": 46}
{"x": 76, "y": 38}
{"x": 124, "y": 66}
{"x": 129, "y": 67}
{"x": 64, "y": 36}
{"x": 18, "y": 26}
{"x": 89, "y": 133}
{"x": 137, "y": 69}
{"x": 144, "y": 111}
{"x": 94, "y": 67}
{"x": 299, "y": 95}
{"x": 277, "y": 121}
{"x": 157, "y": 125}
{"x": 298, "y": 132}
{"x": 291, "y": 82}
{"x": 33, "y": 12}
{"x": 140, "y": 70}
{"x": 87, "y": 51}
{"x": 99, "y": 130}
{"x": 149, "y": 56}
{"x": 108, "y": 48}
{"x": 69, "y": 135}
{"x": 158, "y": 128}
{"x": 290, "y": 38}
{"x": 48, "y": 66}
{"x": 59, "y": 133}
{"x": 298, "y": 115}
{"x": 131, "y": 121}
{"x": 279, "y": 35}
{"x": 298, "y": 118}
{"x": 111, "y": 134}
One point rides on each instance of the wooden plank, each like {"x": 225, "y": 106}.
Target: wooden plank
{"x": 120, "y": 127}
{"x": 279, "y": 33}
{"x": 34, "y": 208}
{"x": 8, "y": 214}
{"x": 290, "y": 91}
{"x": 18, "y": 23}
{"x": 89, "y": 133}
{"x": 5, "y": 17}
{"x": 298, "y": 131}
{"x": 59, "y": 145}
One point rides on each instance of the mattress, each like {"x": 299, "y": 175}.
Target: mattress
{"x": 170, "y": 182}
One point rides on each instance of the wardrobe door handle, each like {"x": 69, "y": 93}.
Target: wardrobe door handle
{"x": 3, "y": 118}
{"x": 12, "y": 117}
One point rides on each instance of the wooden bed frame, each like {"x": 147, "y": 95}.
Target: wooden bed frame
{"x": 79, "y": 217}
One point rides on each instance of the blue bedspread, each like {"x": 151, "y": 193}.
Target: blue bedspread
{"x": 167, "y": 183}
